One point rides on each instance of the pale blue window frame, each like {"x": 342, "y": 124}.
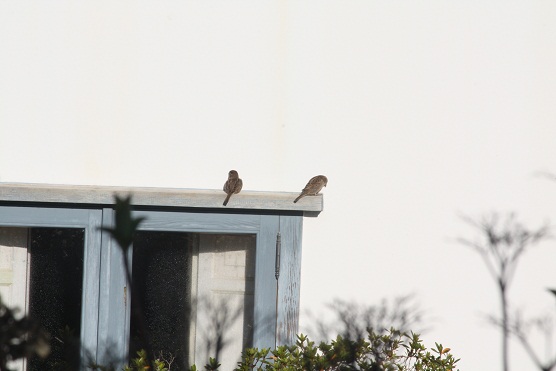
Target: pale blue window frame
{"x": 90, "y": 221}
{"x": 114, "y": 312}
{"x": 105, "y": 323}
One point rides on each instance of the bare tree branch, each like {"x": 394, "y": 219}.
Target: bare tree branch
{"x": 501, "y": 244}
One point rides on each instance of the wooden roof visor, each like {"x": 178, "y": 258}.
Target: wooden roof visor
{"x": 166, "y": 197}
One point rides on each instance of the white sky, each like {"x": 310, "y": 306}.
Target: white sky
{"x": 414, "y": 110}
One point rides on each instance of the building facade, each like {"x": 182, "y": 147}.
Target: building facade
{"x": 211, "y": 280}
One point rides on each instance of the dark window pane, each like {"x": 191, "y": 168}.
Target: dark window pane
{"x": 55, "y": 287}
{"x": 161, "y": 273}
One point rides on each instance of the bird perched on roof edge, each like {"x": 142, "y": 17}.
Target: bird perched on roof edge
{"x": 232, "y": 186}
{"x": 313, "y": 187}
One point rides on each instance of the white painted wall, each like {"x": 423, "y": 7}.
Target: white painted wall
{"x": 415, "y": 111}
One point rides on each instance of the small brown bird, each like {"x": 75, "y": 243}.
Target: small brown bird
{"x": 313, "y": 187}
{"x": 232, "y": 185}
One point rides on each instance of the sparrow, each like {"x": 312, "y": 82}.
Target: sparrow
{"x": 313, "y": 187}
{"x": 232, "y": 185}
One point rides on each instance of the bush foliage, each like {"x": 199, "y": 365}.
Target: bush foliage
{"x": 391, "y": 351}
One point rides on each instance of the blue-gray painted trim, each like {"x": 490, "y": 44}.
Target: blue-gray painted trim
{"x": 43, "y": 217}
{"x": 112, "y": 337}
{"x": 91, "y": 279}
{"x": 289, "y": 280}
{"x": 158, "y": 197}
{"x": 264, "y": 331}
{"x": 198, "y": 222}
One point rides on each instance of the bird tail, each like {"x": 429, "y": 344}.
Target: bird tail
{"x": 297, "y": 199}
{"x": 227, "y": 199}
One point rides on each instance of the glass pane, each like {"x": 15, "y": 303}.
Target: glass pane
{"x": 225, "y": 297}
{"x": 162, "y": 279}
{"x": 55, "y": 293}
{"x": 13, "y": 274}
{"x": 196, "y": 292}
{"x": 13, "y": 267}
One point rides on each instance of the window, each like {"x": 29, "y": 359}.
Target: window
{"x": 43, "y": 261}
{"x": 204, "y": 274}
{"x": 218, "y": 256}
{"x": 162, "y": 263}
{"x": 197, "y": 294}
{"x": 55, "y": 291}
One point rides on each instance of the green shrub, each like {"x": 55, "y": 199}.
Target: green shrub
{"x": 141, "y": 363}
{"x": 390, "y": 351}
{"x": 394, "y": 351}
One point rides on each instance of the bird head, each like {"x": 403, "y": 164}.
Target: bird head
{"x": 233, "y": 174}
